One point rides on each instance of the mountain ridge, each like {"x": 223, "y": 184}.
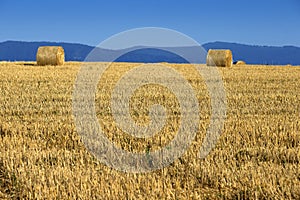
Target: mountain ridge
{"x": 253, "y": 54}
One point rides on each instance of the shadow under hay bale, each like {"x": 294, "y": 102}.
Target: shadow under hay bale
{"x": 29, "y": 64}
{"x": 26, "y": 64}
{"x": 219, "y": 57}
{"x": 50, "y": 55}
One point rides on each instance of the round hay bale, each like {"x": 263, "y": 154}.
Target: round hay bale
{"x": 240, "y": 62}
{"x": 50, "y": 55}
{"x": 219, "y": 57}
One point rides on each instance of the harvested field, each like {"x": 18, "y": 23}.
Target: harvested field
{"x": 256, "y": 157}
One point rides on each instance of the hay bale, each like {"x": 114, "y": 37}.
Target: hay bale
{"x": 50, "y": 55}
{"x": 219, "y": 57}
{"x": 240, "y": 62}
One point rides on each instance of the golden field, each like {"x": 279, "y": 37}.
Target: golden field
{"x": 256, "y": 157}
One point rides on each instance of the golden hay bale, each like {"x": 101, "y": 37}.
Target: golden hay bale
{"x": 219, "y": 57}
{"x": 50, "y": 55}
{"x": 240, "y": 62}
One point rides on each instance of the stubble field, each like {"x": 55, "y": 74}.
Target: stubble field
{"x": 256, "y": 157}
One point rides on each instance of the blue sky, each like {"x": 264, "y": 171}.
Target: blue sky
{"x": 260, "y": 22}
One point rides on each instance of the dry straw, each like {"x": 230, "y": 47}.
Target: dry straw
{"x": 50, "y": 55}
{"x": 240, "y": 62}
{"x": 220, "y": 57}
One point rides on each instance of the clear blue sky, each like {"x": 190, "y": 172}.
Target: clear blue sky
{"x": 261, "y": 22}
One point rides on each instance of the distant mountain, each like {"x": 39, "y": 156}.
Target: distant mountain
{"x": 260, "y": 54}
{"x": 26, "y": 51}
